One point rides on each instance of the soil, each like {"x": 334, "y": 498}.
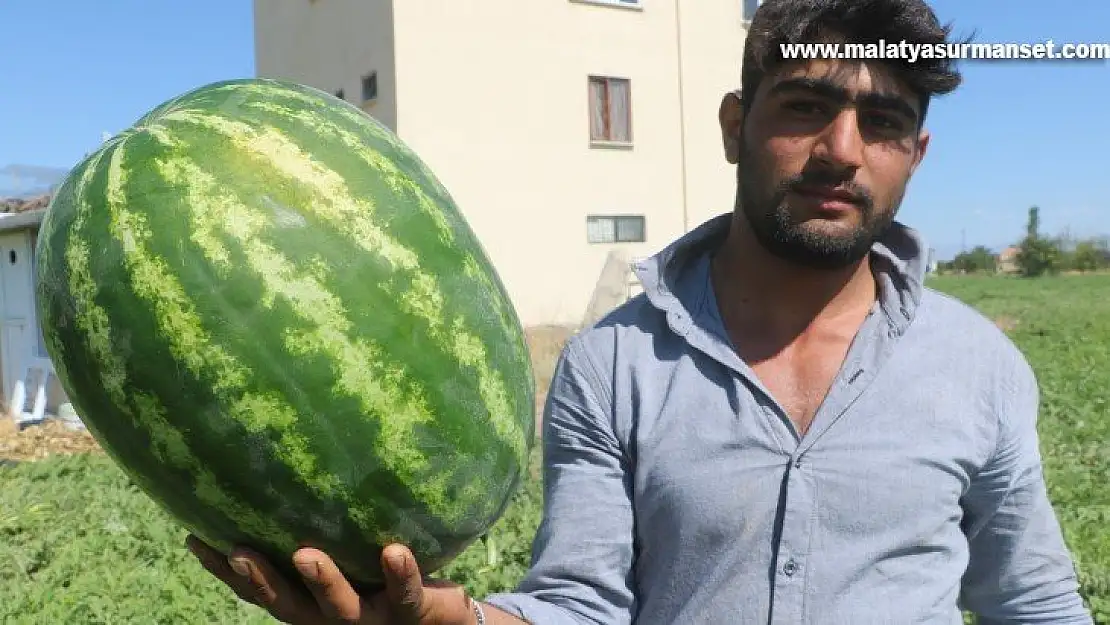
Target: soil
{"x": 39, "y": 441}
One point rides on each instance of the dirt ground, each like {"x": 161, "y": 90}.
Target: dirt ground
{"x": 40, "y": 441}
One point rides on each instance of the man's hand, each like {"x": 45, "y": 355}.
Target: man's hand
{"x": 406, "y": 600}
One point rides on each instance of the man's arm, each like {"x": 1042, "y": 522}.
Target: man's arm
{"x": 1020, "y": 570}
{"x": 583, "y": 551}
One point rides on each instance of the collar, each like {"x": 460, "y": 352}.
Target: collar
{"x": 899, "y": 262}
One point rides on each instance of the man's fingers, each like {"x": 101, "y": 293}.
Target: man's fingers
{"x": 273, "y": 591}
{"x": 333, "y": 593}
{"x": 217, "y": 564}
{"x": 254, "y": 580}
{"x": 403, "y": 583}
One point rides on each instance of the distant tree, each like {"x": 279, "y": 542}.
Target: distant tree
{"x": 978, "y": 259}
{"x": 1066, "y": 245}
{"x": 1102, "y": 248}
{"x": 1037, "y": 255}
{"x": 1086, "y": 257}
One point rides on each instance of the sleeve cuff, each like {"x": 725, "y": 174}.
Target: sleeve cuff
{"x": 531, "y": 609}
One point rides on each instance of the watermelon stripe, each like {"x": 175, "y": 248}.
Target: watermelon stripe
{"x": 213, "y": 206}
{"x": 258, "y": 273}
{"x": 145, "y": 411}
{"x": 227, "y": 498}
{"x": 336, "y": 206}
{"x": 398, "y": 166}
{"x": 401, "y": 169}
{"x": 322, "y": 313}
{"x": 153, "y": 281}
{"x": 271, "y": 500}
{"x": 408, "y": 178}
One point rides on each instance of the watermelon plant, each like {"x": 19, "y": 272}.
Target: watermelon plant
{"x": 276, "y": 320}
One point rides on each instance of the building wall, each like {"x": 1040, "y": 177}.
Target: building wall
{"x": 712, "y": 36}
{"x": 330, "y": 45}
{"x": 21, "y": 340}
{"x": 494, "y": 96}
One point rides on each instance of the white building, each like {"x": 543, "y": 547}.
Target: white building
{"x": 565, "y": 129}
{"x": 25, "y": 369}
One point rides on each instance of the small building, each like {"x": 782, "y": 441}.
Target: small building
{"x": 1007, "y": 260}
{"x": 24, "y": 363}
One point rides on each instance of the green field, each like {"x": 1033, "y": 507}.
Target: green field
{"x": 1062, "y": 324}
{"x": 79, "y": 544}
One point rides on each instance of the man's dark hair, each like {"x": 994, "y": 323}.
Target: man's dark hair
{"x": 849, "y": 21}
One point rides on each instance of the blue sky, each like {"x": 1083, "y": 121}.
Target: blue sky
{"x": 1017, "y": 133}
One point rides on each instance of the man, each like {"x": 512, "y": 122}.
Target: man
{"x": 787, "y": 427}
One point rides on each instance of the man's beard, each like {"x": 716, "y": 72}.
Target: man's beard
{"x": 777, "y": 230}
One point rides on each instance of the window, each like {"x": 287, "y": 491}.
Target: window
{"x": 610, "y": 110}
{"x": 747, "y": 9}
{"x": 370, "y": 86}
{"x": 615, "y": 229}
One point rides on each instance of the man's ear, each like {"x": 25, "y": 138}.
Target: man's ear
{"x": 922, "y": 149}
{"x": 731, "y": 117}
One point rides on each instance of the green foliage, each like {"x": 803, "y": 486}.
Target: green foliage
{"x": 500, "y": 559}
{"x": 1063, "y": 327}
{"x": 1037, "y": 255}
{"x": 977, "y": 260}
{"x": 1086, "y": 257}
{"x": 1082, "y": 255}
{"x": 80, "y": 544}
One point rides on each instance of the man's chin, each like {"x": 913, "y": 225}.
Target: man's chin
{"x": 836, "y": 233}
{"x": 812, "y": 239}
{"x": 820, "y": 248}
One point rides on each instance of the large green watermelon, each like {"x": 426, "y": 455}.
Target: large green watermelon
{"x": 275, "y": 319}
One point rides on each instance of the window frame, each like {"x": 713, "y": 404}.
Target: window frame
{"x": 369, "y": 82}
{"x": 616, "y": 220}
{"x": 607, "y": 137}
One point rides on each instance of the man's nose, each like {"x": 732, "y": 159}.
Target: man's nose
{"x": 841, "y": 144}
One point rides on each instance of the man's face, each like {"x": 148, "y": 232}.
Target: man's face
{"x": 824, "y": 156}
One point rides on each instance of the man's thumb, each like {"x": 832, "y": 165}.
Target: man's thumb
{"x": 404, "y": 586}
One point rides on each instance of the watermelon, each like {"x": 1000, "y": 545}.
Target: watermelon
{"x": 275, "y": 319}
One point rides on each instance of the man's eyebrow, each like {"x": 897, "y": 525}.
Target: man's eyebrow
{"x": 832, "y": 91}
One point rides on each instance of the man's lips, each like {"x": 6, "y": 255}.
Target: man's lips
{"x": 829, "y": 198}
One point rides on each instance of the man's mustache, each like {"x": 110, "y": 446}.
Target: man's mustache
{"x": 860, "y": 194}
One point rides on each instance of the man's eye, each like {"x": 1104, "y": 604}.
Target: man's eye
{"x": 805, "y": 107}
{"x": 883, "y": 121}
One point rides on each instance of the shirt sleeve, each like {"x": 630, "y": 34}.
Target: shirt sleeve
{"x": 1020, "y": 570}
{"x": 582, "y": 555}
